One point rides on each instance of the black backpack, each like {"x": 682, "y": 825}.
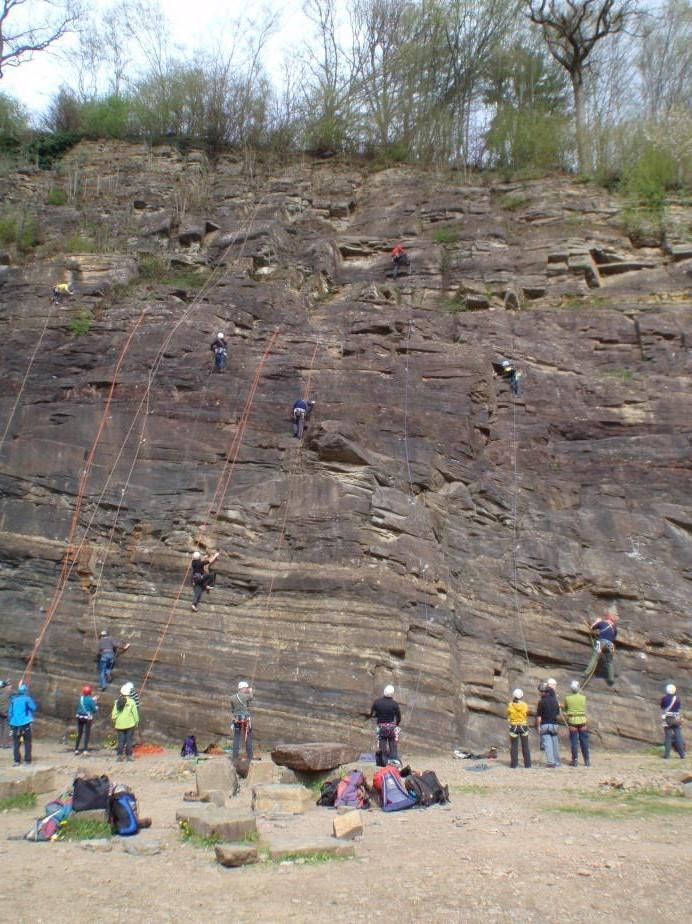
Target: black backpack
{"x": 328, "y": 793}
{"x": 427, "y": 788}
{"x": 90, "y": 794}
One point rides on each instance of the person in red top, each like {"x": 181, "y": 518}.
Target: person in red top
{"x": 399, "y": 258}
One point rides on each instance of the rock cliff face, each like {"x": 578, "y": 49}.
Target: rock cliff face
{"x": 430, "y": 530}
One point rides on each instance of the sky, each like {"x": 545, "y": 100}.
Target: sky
{"x": 193, "y": 22}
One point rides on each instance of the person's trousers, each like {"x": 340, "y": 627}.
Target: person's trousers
{"x": 83, "y": 730}
{"x": 514, "y": 740}
{"x": 298, "y": 422}
{"x": 105, "y": 666}
{"x": 607, "y": 654}
{"x": 579, "y": 738}
{"x": 551, "y": 745}
{"x": 389, "y": 750}
{"x": 238, "y": 737}
{"x": 126, "y": 738}
{"x": 3, "y": 731}
{"x": 198, "y": 588}
{"x": 673, "y": 739}
{"x": 20, "y": 732}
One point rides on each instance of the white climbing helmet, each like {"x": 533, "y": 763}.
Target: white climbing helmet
{"x": 518, "y": 694}
{"x": 671, "y": 689}
{"x": 127, "y": 689}
{"x": 196, "y": 555}
{"x": 243, "y": 685}
{"x": 574, "y": 685}
{"x": 221, "y": 335}
{"x": 552, "y": 683}
{"x": 103, "y": 633}
{"x": 388, "y": 690}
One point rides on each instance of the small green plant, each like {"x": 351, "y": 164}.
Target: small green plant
{"x": 76, "y": 828}
{"x": 514, "y": 201}
{"x": 453, "y": 305}
{"x": 23, "y": 801}
{"x": 312, "y": 860}
{"x": 80, "y": 322}
{"x": 620, "y": 805}
{"x": 77, "y": 243}
{"x": 57, "y": 197}
{"x": 20, "y": 229}
{"x": 188, "y": 836}
{"x": 446, "y": 236}
{"x": 188, "y": 279}
{"x": 624, "y": 375}
{"x": 153, "y": 268}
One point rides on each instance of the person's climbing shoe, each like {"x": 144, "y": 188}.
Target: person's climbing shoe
{"x": 574, "y": 763}
{"x": 194, "y": 608}
{"x": 76, "y": 753}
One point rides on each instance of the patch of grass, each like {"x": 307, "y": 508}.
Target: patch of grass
{"x": 635, "y": 804}
{"x": 623, "y": 375}
{"x": 80, "y": 322}
{"x": 25, "y": 800}
{"x": 453, "y": 305}
{"x": 57, "y": 197}
{"x": 251, "y": 838}
{"x": 512, "y": 202}
{"x": 19, "y": 229}
{"x": 77, "y": 243}
{"x": 188, "y": 836}
{"x": 472, "y": 789}
{"x": 84, "y": 829}
{"x": 188, "y": 279}
{"x": 153, "y": 268}
{"x": 446, "y": 236}
{"x": 312, "y": 860}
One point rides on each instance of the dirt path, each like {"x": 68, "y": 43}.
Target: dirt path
{"x": 513, "y": 846}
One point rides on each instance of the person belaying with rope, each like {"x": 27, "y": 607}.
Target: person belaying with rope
{"x": 604, "y": 632}
{"x": 202, "y": 578}
{"x": 547, "y": 715}
{"x": 575, "y": 716}
{"x": 518, "y": 720}
{"x": 61, "y": 291}
{"x": 671, "y": 707}
{"x": 20, "y": 715}
{"x": 400, "y": 258}
{"x": 220, "y": 350}
{"x": 241, "y": 720}
{"x": 510, "y": 374}
{"x": 301, "y": 414}
{"x": 388, "y": 715}
{"x": 108, "y": 650}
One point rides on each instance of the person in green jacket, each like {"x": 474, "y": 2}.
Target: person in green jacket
{"x": 125, "y": 718}
{"x": 575, "y": 713}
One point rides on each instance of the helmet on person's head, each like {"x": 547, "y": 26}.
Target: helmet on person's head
{"x": 22, "y": 688}
{"x": 505, "y": 363}
{"x": 221, "y": 335}
{"x": 388, "y": 690}
{"x": 518, "y": 694}
{"x": 127, "y": 689}
{"x": 103, "y": 633}
{"x": 196, "y": 555}
{"x": 574, "y": 685}
{"x": 243, "y": 685}
{"x": 552, "y": 683}
{"x": 86, "y": 690}
{"x": 671, "y": 689}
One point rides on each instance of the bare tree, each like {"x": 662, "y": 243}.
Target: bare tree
{"x": 571, "y": 29}
{"x": 26, "y": 28}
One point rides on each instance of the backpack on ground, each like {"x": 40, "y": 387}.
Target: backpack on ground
{"x": 427, "y": 788}
{"x": 189, "y": 748}
{"x": 122, "y": 811}
{"x": 47, "y": 828}
{"x": 351, "y": 791}
{"x": 393, "y": 795}
{"x": 328, "y": 792}
{"x": 90, "y": 794}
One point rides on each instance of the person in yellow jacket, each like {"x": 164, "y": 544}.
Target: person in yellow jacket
{"x": 125, "y": 718}
{"x": 575, "y": 713}
{"x": 60, "y": 291}
{"x": 518, "y": 719}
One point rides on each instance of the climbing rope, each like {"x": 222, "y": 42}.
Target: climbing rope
{"x": 515, "y": 540}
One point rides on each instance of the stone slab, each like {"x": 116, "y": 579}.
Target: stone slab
{"x": 20, "y": 780}
{"x": 282, "y": 798}
{"x": 236, "y": 854}
{"x": 139, "y": 847}
{"x": 215, "y": 797}
{"x": 226, "y": 825}
{"x": 285, "y": 848}
{"x": 262, "y": 773}
{"x": 217, "y": 775}
{"x": 314, "y": 756}
{"x": 348, "y": 826}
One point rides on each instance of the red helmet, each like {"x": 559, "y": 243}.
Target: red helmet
{"x": 86, "y": 690}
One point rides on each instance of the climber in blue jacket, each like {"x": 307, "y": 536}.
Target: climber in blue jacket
{"x": 301, "y": 412}
{"x": 19, "y": 717}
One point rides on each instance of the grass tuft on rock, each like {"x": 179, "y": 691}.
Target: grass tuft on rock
{"x": 84, "y": 829}
{"x": 21, "y": 802}
{"x": 188, "y": 836}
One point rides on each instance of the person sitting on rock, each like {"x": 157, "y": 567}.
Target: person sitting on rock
{"x": 241, "y": 721}
{"x": 399, "y": 258}
{"x": 604, "y": 632}
{"x": 108, "y": 649}
{"x": 671, "y": 707}
{"x": 388, "y": 714}
{"x": 301, "y": 413}
{"x": 220, "y": 350}
{"x": 61, "y": 291}
{"x": 508, "y": 373}
{"x": 518, "y": 719}
{"x": 575, "y": 715}
{"x": 202, "y": 578}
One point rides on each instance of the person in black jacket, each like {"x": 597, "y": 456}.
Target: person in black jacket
{"x": 386, "y": 711}
{"x": 220, "y": 350}
{"x": 547, "y": 716}
{"x": 202, "y": 577}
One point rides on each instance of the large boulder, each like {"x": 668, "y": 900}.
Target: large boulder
{"x": 217, "y": 775}
{"x": 314, "y": 756}
{"x": 219, "y": 823}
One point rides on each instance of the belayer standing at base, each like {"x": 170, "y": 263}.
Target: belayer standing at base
{"x": 202, "y": 578}
{"x": 547, "y": 715}
{"x": 604, "y": 632}
{"x": 575, "y": 714}
{"x": 19, "y": 717}
{"x": 518, "y": 719}
{"x": 301, "y": 413}
{"x": 219, "y": 348}
{"x": 125, "y": 718}
{"x": 87, "y": 707}
{"x": 242, "y": 721}
{"x": 388, "y": 714}
{"x": 671, "y": 707}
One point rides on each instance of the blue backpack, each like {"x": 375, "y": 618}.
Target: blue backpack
{"x": 393, "y": 792}
{"x": 122, "y": 812}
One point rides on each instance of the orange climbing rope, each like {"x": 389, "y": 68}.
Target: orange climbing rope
{"x": 219, "y": 494}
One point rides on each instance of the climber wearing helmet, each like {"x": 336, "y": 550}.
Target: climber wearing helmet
{"x": 60, "y": 291}
{"x": 108, "y": 649}
{"x": 399, "y": 258}
{"x": 518, "y": 720}
{"x": 575, "y": 714}
{"x": 301, "y": 412}
{"x": 508, "y": 373}
{"x": 241, "y": 721}
{"x": 125, "y": 718}
{"x": 388, "y": 714}
{"x": 604, "y": 632}
{"x": 671, "y": 708}
{"x": 220, "y": 350}
{"x": 202, "y": 578}
{"x": 87, "y": 707}
{"x": 19, "y": 717}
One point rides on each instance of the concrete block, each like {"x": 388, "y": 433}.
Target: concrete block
{"x": 348, "y": 826}
{"x": 310, "y": 847}
{"x": 217, "y": 774}
{"x": 21, "y": 780}
{"x": 236, "y": 854}
{"x": 224, "y": 824}
{"x": 282, "y": 798}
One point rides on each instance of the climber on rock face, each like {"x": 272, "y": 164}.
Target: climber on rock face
{"x": 301, "y": 413}
{"x": 202, "y": 578}
{"x": 399, "y": 258}
{"x": 60, "y": 291}
{"x": 388, "y": 714}
{"x": 506, "y": 371}
{"x": 604, "y": 632}
{"x": 108, "y": 649}
{"x": 220, "y": 350}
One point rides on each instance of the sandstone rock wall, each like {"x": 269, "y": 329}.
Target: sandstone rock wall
{"x": 430, "y": 531}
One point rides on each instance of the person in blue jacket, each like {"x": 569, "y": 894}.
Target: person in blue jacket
{"x": 20, "y": 717}
{"x": 604, "y": 632}
{"x": 301, "y": 411}
{"x": 87, "y": 707}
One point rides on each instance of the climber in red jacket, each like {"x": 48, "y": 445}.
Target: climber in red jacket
{"x": 399, "y": 258}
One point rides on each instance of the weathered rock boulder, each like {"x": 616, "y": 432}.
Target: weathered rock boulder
{"x": 314, "y": 756}
{"x": 281, "y": 798}
{"x": 223, "y": 824}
